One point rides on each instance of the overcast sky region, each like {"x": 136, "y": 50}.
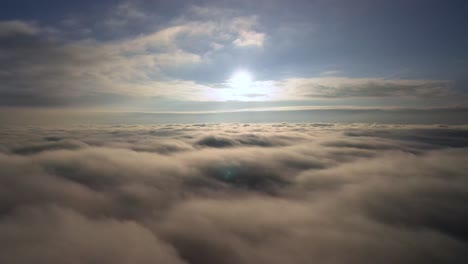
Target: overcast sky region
{"x": 233, "y": 132}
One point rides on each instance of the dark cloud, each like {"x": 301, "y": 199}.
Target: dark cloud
{"x": 17, "y": 27}
{"x": 217, "y": 142}
{"x": 230, "y": 193}
{"x": 245, "y": 139}
{"x": 32, "y": 149}
{"x": 379, "y": 88}
{"x": 433, "y": 137}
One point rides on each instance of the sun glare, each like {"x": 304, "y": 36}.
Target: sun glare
{"x": 243, "y": 87}
{"x": 241, "y": 80}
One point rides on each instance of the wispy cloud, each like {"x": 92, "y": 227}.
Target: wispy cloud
{"x": 338, "y": 87}
{"x": 17, "y": 27}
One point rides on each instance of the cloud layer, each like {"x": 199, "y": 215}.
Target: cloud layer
{"x": 234, "y": 193}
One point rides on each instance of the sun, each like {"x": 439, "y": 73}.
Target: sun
{"x": 241, "y": 80}
{"x": 242, "y": 86}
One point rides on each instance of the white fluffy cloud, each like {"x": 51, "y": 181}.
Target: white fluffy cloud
{"x": 234, "y": 193}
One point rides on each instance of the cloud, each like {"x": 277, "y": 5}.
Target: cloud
{"x": 17, "y": 27}
{"x": 343, "y": 87}
{"x": 41, "y": 68}
{"x": 231, "y": 193}
{"x": 187, "y": 57}
{"x": 250, "y": 38}
{"x": 115, "y": 54}
{"x": 218, "y": 141}
{"x": 77, "y": 73}
{"x": 54, "y": 235}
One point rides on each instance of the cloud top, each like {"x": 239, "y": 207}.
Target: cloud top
{"x": 230, "y": 193}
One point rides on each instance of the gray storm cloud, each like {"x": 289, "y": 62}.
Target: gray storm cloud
{"x": 213, "y": 193}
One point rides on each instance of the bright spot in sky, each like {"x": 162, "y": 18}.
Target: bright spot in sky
{"x": 241, "y": 80}
{"x": 243, "y": 87}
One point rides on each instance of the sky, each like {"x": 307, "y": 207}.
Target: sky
{"x": 192, "y": 56}
{"x": 233, "y": 132}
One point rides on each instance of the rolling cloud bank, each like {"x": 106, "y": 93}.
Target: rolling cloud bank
{"x": 234, "y": 193}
